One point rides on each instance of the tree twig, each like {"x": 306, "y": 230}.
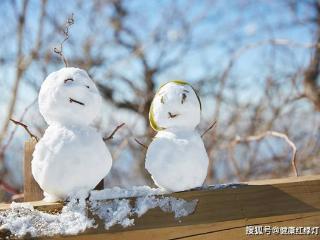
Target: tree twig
{"x": 59, "y": 50}
{"x": 113, "y": 132}
{"x": 274, "y": 134}
{"x": 140, "y": 143}
{"x": 209, "y": 128}
{"x": 26, "y": 128}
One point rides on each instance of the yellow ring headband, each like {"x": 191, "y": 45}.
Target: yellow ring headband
{"x": 153, "y": 123}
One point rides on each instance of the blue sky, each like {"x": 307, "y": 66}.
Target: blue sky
{"x": 226, "y": 26}
{"x": 233, "y": 24}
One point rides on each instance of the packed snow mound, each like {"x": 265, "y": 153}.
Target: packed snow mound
{"x": 23, "y": 219}
{"x": 69, "y": 96}
{"x": 70, "y": 159}
{"x": 175, "y": 105}
{"x": 177, "y": 160}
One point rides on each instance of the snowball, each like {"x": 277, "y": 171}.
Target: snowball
{"x": 69, "y": 160}
{"x": 177, "y": 160}
{"x": 175, "y": 105}
{"x": 69, "y": 96}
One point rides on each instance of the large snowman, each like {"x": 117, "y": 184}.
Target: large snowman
{"x": 71, "y": 157}
{"x": 176, "y": 158}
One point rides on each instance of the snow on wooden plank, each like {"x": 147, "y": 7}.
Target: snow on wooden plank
{"x": 222, "y": 213}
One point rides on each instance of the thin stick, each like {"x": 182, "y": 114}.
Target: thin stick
{"x": 113, "y": 132}
{"x": 59, "y": 50}
{"x": 26, "y": 128}
{"x": 209, "y": 128}
{"x": 140, "y": 143}
{"x": 275, "y": 134}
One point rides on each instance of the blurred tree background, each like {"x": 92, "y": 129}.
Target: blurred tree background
{"x": 254, "y": 63}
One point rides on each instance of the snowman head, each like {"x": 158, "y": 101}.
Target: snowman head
{"x": 175, "y": 105}
{"x": 69, "y": 96}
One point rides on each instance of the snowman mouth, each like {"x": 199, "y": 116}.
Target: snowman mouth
{"x": 172, "y": 115}
{"x": 71, "y": 100}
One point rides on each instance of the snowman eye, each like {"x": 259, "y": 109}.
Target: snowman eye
{"x": 87, "y": 86}
{"x": 68, "y": 79}
{"x": 184, "y": 97}
{"x": 162, "y": 100}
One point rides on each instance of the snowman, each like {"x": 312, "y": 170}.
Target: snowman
{"x": 176, "y": 158}
{"x": 71, "y": 157}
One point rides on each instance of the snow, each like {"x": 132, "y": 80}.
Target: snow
{"x": 67, "y": 160}
{"x": 113, "y": 212}
{"x": 120, "y": 211}
{"x": 134, "y": 191}
{"x": 176, "y": 158}
{"x": 22, "y": 218}
{"x": 176, "y": 99}
{"x": 58, "y": 94}
{"x": 179, "y": 207}
{"x": 71, "y": 156}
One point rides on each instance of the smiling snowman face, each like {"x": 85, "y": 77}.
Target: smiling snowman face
{"x": 175, "y": 105}
{"x": 69, "y": 96}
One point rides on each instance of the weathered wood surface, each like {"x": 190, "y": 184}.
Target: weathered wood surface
{"x": 224, "y": 213}
{"x": 32, "y": 191}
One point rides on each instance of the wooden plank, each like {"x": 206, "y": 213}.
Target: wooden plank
{"x": 221, "y": 230}
{"x": 32, "y": 191}
{"x": 224, "y": 213}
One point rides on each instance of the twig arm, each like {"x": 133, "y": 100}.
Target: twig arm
{"x": 113, "y": 132}
{"x": 209, "y": 128}
{"x": 141, "y": 144}
{"x": 26, "y": 128}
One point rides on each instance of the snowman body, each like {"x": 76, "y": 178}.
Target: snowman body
{"x": 176, "y": 158}
{"x": 71, "y": 157}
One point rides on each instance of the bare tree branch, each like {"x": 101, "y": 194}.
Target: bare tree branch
{"x": 6, "y": 145}
{"x": 275, "y": 134}
{"x": 20, "y": 68}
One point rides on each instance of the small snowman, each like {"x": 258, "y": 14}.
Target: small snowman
{"x": 71, "y": 157}
{"x": 176, "y": 158}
